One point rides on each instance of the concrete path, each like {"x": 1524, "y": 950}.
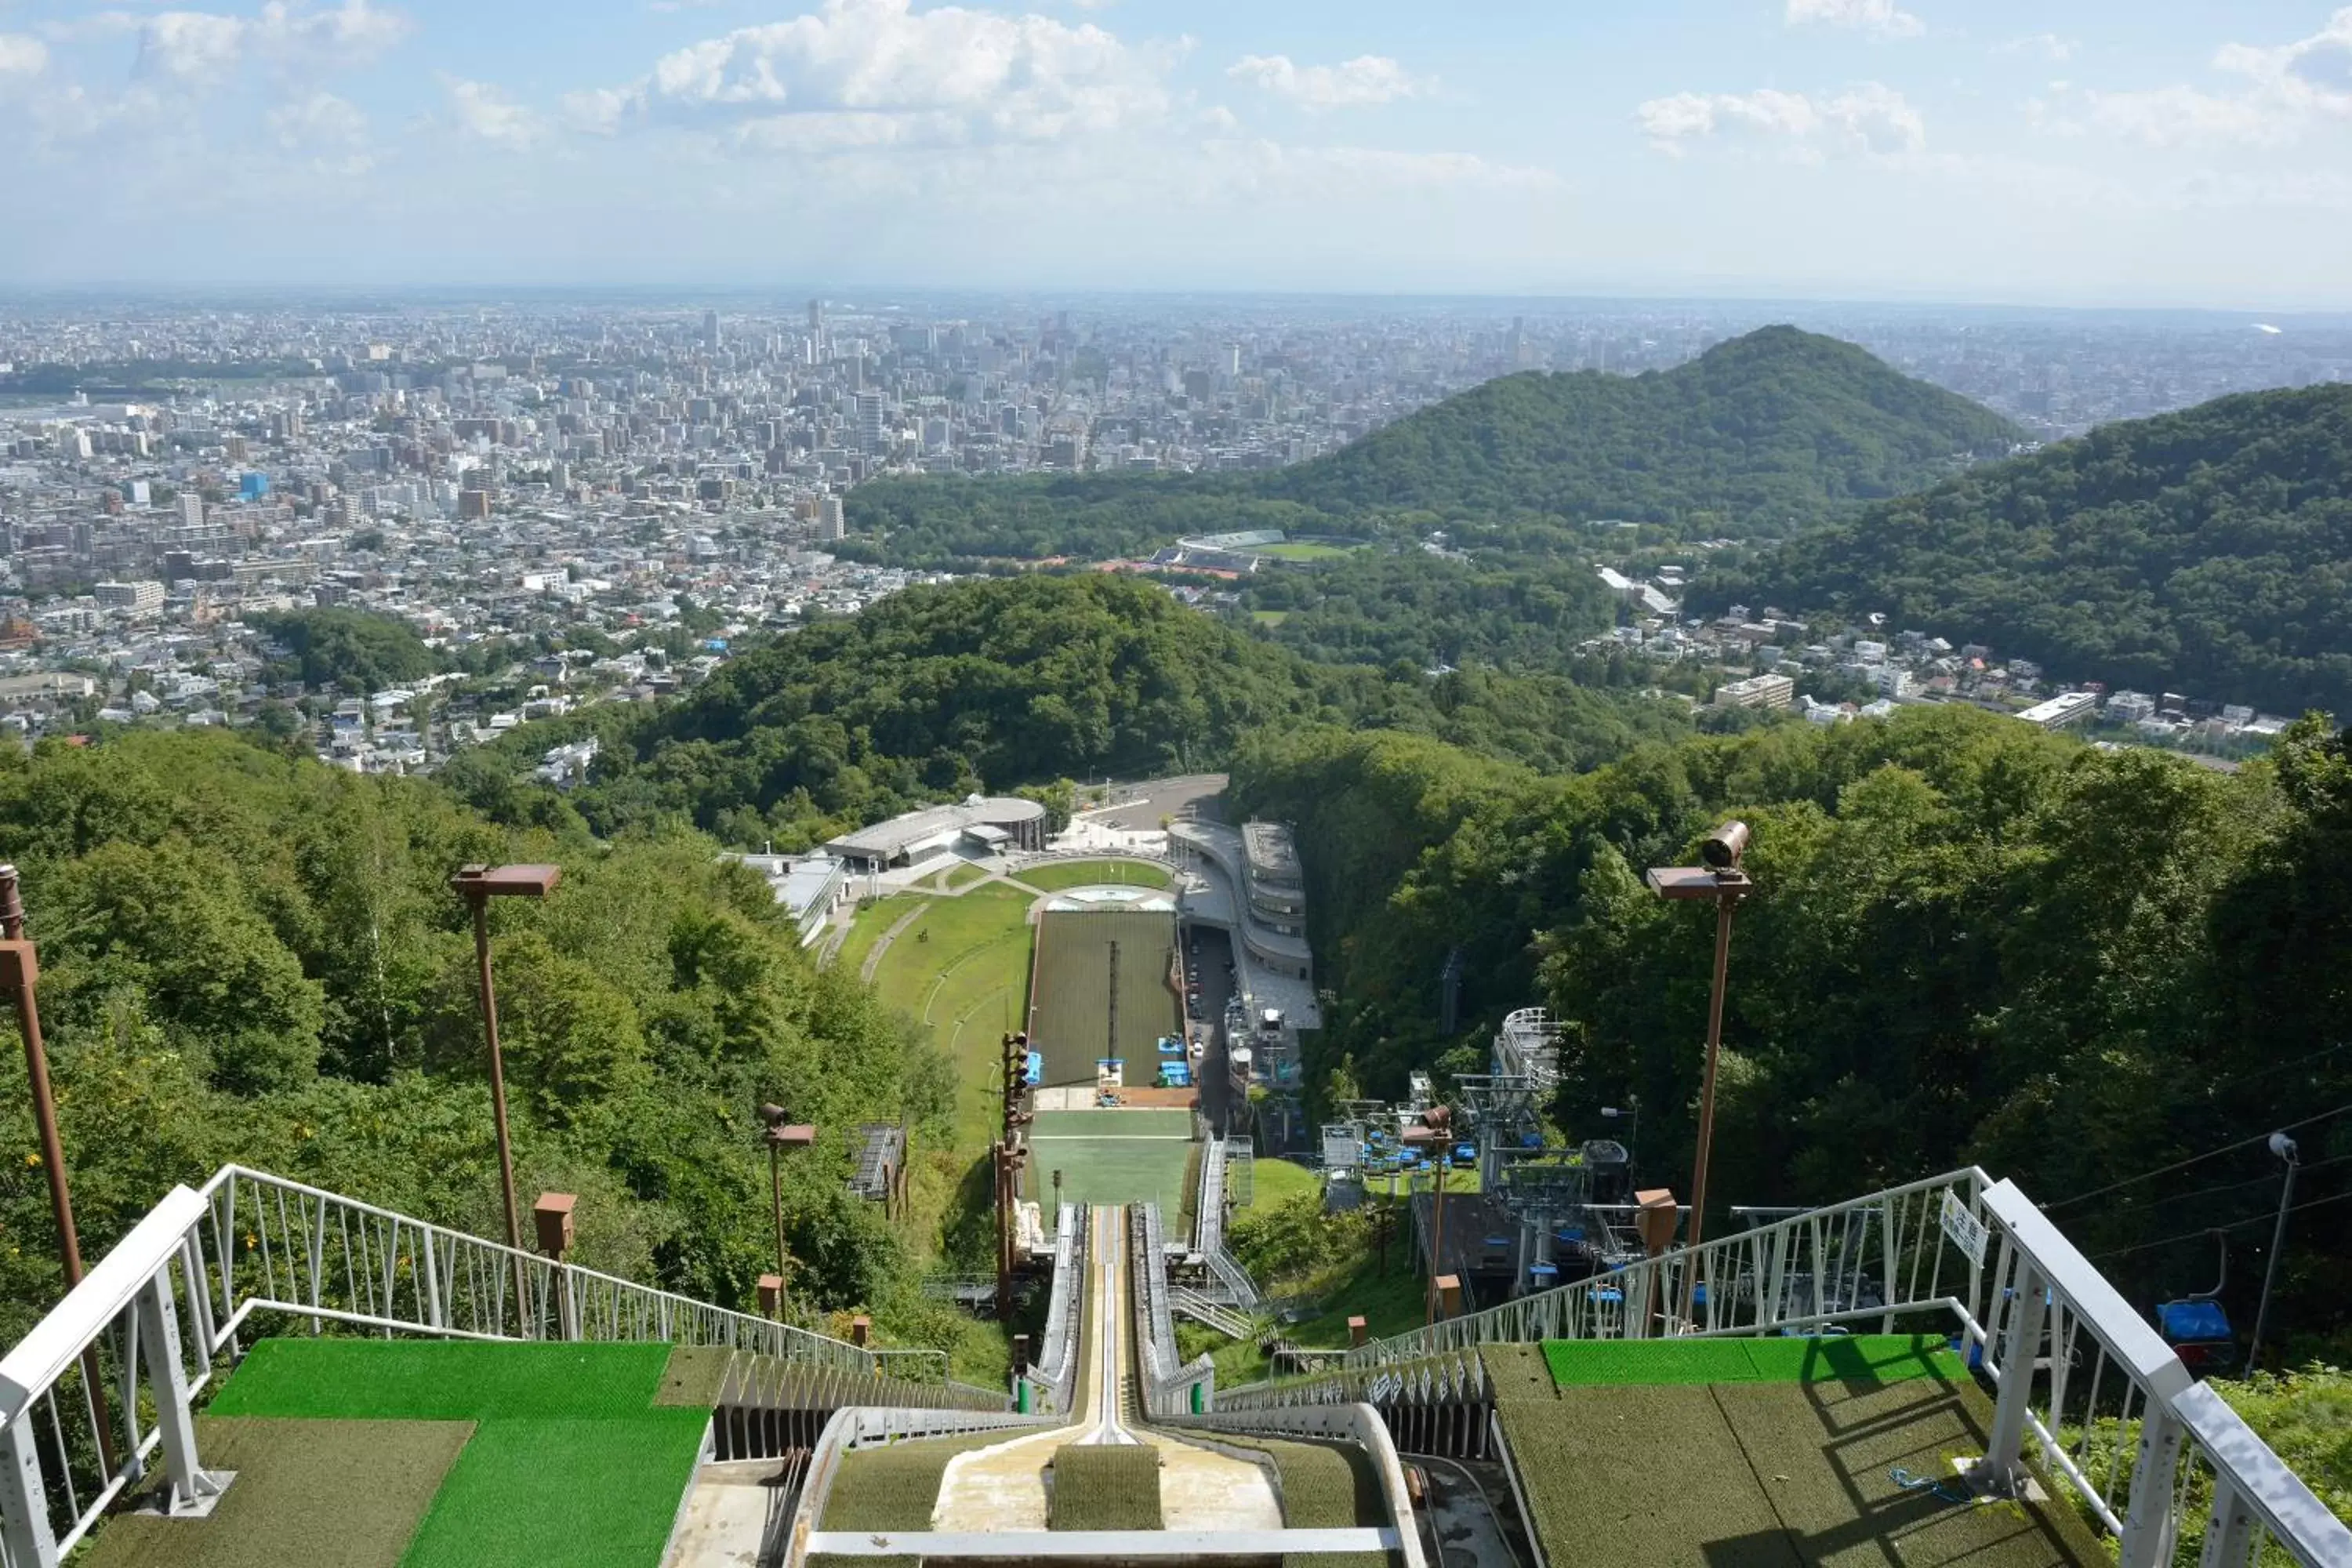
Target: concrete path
{"x": 729, "y": 1516}
{"x": 1006, "y": 1487}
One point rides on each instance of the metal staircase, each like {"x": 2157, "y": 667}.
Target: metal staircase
{"x": 1187, "y": 1302}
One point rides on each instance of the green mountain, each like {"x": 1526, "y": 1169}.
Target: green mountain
{"x": 2208, "y": 551}
{"x": 1774, "y": 427}
{"x": 1767, "y": 428}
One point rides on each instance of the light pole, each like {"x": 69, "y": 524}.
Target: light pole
{"x": 1721, "y": 881}
{"x": 20, "y": 969}
{"x": 1631, "y": 1110}
{"x": 782, "y": 1133}
{"x": 2283, "y": 1147}
{"x": 478, "y": 885}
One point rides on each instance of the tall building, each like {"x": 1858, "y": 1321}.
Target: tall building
{"x": 710, "y": 329}
{"x": 869, "y": 423}
{"x": 816, "y": 331}
{"x": 192, "y": 509}
{"x": 828, "y": 518}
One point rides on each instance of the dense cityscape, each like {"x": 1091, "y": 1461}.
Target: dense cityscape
{"x": 615, "y": 493}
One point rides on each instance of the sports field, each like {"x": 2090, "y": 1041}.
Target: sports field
{"x": 1070, "y": 1017}
{"x": 1053, "y": 876}
{"x": 1113, "y": 1157}
{"x": 422, "y": 1454}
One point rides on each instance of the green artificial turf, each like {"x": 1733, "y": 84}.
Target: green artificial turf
{"x": 443, "y": 1380}
{"x": 1104, "y": 1485}
{"x": 322, "y": 1494}
{"x": 893, "y": 1489}
{"x": 1114, "y": 1157}
{"x": 1824, "y": 1455}
{"x": 693, "y": 1375}
{"x": 1517, "y": 1373}
{"x": 1324, "y": 1486}
{"x": 571, "y": 1464}
{"x": 1875, "y": 1358}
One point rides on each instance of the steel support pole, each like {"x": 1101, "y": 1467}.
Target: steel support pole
{"x": 24, "y": 975}
{"x": 776, "y": 1198}
{"x": 499, "y": 1107}
{"x": 1725, "y": 904}
{"x": 2013, "y": 1401}
{"x": 1436, "y": 1243}
{"x": 2270, "y": 1268}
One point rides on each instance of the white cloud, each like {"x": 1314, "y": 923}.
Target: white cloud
{"x": 22, "y": 55}
{"x": 876, "y": 73}
{"x": 1366, "y": 79}
{"x": 204, "y": 46}
{"x": 482, "y": 111}
{"x": 2289, "y": 87}
{"x": 2042, "y": 46}
{"x": 319, "y": 121}
{"x": 1878, "y": 16}
{"x": 1871, "y": 118}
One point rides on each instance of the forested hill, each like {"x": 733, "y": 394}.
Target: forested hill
{"x": 994, "y": 684}
{"x": 1971, "y": 941}
{"x": 2208, "y": 551}
{"x": 1776, "y": 426}
{"x": 1763, "y": 430}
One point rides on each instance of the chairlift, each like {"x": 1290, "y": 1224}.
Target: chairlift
{"x": 2197, "y": 1328}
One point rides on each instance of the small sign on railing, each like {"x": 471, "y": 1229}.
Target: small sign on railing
{"x": 1967, "y": 1231}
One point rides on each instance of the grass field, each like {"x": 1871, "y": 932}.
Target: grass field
{"x": 963, "y": 968}
{"x": 866, "y": 927}
{"x": 1297, "y": 551}
{"x": 570, "y": 1464}
{"x": 1053, "y": 876}
{"x": 1273, "y": 1183}
{"x": 1104, "y": 1485}
{"x": 1114, "y": 1157}
{"x": 1269, "y": 618}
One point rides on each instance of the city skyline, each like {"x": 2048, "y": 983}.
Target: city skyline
{"x": 2183, "y": 154}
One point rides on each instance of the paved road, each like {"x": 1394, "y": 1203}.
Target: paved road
{"x": 1215, "y": 1081}
{"x": 1141, "y": 806}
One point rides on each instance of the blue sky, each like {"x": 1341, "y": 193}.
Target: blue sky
{"x": 2122, "y": 152}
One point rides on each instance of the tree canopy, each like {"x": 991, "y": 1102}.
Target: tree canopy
{"x": 2208, "y": 551}
{"x": 255, "y": 958}
{"x": 995, "y": 684}
{"x": 348, "y": 650}
{"x": 1970, "y": 941}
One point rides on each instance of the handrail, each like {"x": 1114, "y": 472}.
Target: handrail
{"x": 397, "y": 1272}
{"x": 248, "y": 1242}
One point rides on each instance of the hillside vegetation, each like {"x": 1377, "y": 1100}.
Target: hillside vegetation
{"x": 998, "y": 684}
{"x": 1971, "y": 941}
{"x": 255, "y": 959}
{"x": 2208, "y": 551}
{"x": 1775, "y": 427}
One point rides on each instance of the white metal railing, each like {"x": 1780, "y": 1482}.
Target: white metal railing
{"x": 107, "y": 1377}
{"x": 1169, "y": 1383}
{"x": 1867, "y": 1258}
{"x": 274, "y": 1245}
{"x": 1053, "y": 1379}
{"x": 2113, "y": 1416}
